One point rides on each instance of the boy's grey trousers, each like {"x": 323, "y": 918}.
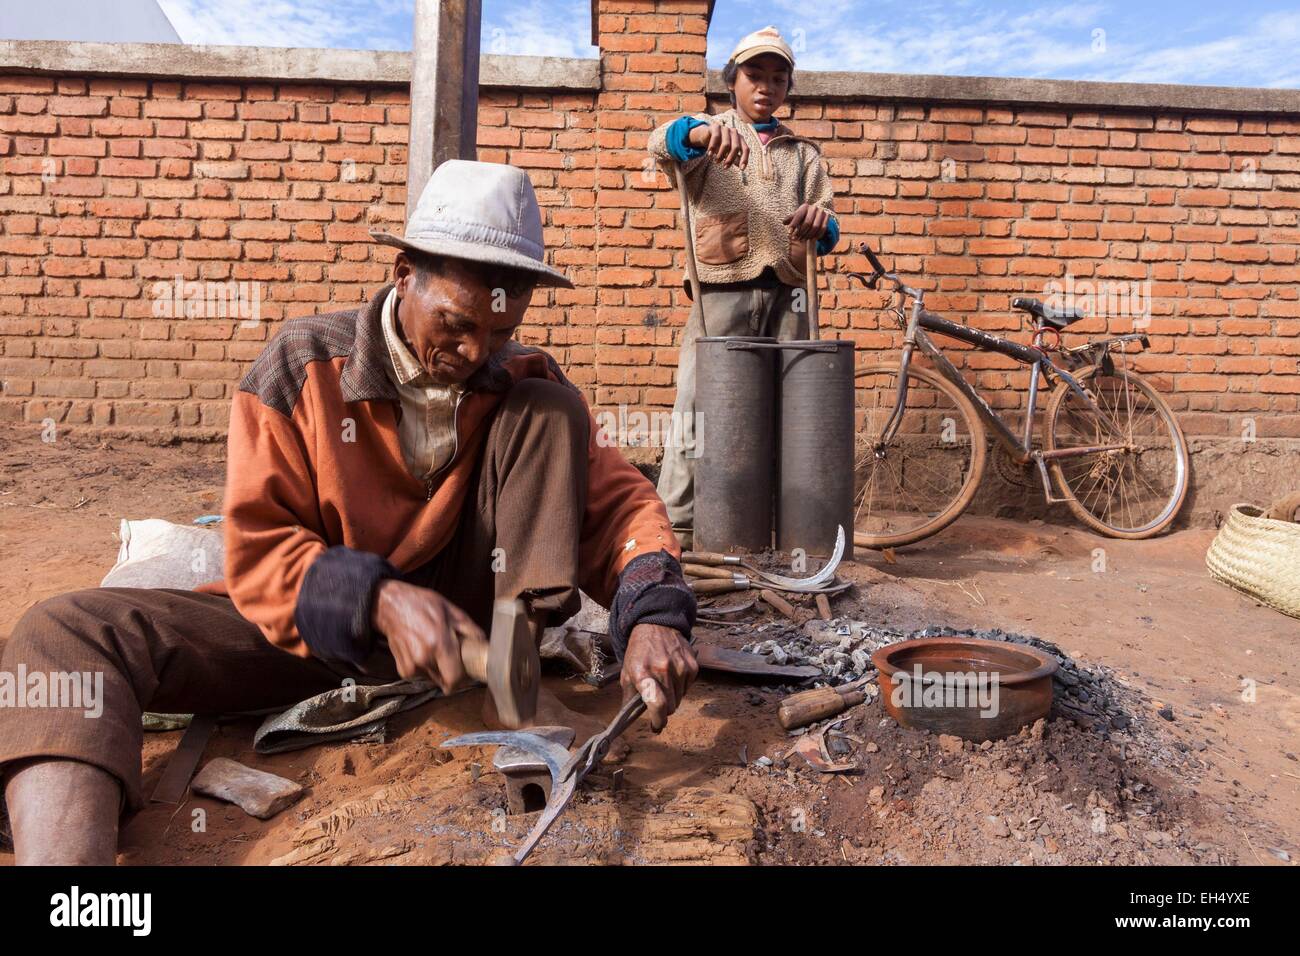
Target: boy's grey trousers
{"x": 772, "y": 309}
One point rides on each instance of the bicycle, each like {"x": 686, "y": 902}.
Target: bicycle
{"x": 1110, "y": 443}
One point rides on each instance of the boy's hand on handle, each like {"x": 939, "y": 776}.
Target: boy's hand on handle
{"x": 723, "y": 144}
{"x": 659, "y": 665}
{"x": 424, "y": 632}
{"x": 808, "y": 222}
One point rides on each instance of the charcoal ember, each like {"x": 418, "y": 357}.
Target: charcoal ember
{"x": 1088, "y": 694}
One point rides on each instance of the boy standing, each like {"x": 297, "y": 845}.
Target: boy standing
{"x": 758, "y": 195}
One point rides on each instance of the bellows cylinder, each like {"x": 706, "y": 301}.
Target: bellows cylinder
{"x": 734, "y": 443}
{"x": 815, "y": 483}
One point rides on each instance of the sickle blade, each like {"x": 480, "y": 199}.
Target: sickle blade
{"x": 552, "y": 754}
{"x": 818, "y": 579}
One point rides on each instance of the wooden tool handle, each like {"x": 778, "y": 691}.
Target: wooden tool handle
{"x": 474, "y": 657}
{"x": 716, "y": 586}
{"x": 783, "y": 606}
{"x": 692, "y": 270}
{"x": 811, "y": 270}
{"x": 705, "y": 571}
{"x": 817, "y": 704}
{"x": 710, "y": 557}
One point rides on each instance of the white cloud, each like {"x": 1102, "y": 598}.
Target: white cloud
{"x": 541, "y": 28}
{"x": 538, "y": 29}
{"x": 1264, "y": 55}
{"x": 1161, "y": 43}
{"x": 377, "y": 24}
{"x": 932, "y": 39}
{"x": 1157, "y": 43}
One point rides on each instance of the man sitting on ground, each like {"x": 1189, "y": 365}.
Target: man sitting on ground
{"x": 393, "y": 470}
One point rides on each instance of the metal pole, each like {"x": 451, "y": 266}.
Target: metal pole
{"x": 444, "y": 89}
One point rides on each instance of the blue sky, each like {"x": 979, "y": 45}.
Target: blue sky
{"x": 1241, "y": 43}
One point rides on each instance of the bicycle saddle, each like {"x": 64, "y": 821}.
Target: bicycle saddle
{"x": 1046, "y": 314}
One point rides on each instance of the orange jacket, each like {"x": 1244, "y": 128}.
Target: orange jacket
{"x": 295, "y": 487}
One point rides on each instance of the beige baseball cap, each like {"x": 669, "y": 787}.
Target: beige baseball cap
{"x": 766, "y": 40}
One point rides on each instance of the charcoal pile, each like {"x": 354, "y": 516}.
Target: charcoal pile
{"x": 1091, "y": 695}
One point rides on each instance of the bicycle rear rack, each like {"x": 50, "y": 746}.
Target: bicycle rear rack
{"x": 1093, "y": 353}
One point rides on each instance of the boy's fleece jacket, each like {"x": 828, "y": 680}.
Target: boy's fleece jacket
{"x": 738, "y": 215}
{"x": 317, "y": 515}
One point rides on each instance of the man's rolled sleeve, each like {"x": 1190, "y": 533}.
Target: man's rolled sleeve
{"x": 832, "y": 237}
{"x": 678, "y": 139}
{"x": 651, "y": 590}
{"x": 670, "y": 146}
{"x": 336, "y": 601}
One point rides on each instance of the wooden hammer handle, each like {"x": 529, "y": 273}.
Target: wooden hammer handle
{"x": 474, "y": 657}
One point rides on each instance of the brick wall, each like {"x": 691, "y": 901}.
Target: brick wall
{"x": 989, "y": 203}
{"x": 652, "y": 66}
{"x": 113, "y": 186}
{"x": 110, "y": 186}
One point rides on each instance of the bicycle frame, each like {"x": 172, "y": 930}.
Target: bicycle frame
{"x": 1040, "y": 364}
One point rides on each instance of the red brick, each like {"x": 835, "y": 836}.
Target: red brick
{"x": 78, "y": 106}
{"x": 138, "y": 168}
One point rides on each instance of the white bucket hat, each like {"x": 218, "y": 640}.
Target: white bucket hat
{"x": 483, "y": 212}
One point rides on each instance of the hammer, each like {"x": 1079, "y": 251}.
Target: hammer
{"x": 507, "y": 662}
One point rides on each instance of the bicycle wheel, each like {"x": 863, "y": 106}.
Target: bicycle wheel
{"x": 925, "y": 476}
{"x": 1133, "y": 492}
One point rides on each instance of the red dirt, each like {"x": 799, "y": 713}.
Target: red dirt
{"x": 1223, "y": 786}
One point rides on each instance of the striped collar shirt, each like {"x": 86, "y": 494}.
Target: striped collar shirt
{"x": 427, "y": 430}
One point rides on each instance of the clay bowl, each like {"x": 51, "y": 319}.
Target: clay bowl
{"x": 977, "y": 690}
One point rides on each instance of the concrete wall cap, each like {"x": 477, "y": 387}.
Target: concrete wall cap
{"x": 279, "y": 64}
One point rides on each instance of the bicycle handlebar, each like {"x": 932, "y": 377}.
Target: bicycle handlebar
{"x": 878, "y": 272}
{"x": 871, "y": 257}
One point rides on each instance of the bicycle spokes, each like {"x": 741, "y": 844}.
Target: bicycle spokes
{"x": 1129, "y": 488}
{"x": 907, "y": 482}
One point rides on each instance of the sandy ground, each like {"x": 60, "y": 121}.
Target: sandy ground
{"x": 1218, "y": 783}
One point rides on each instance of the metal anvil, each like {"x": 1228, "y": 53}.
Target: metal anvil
{"x": 528, "y": 778}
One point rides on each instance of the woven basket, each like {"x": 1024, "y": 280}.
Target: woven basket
{"x": 1260, "y": 557}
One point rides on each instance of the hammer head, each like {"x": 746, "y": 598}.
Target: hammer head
{"x": 513, "y": 666}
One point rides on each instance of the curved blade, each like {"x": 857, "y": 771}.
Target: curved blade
{"x": 818, "y": 579}
{"x": 552, "y": 754}
{"x": 831, "y": 589}
{"x": 561, "y": 794}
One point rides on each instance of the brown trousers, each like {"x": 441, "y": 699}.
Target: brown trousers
{"x": 174, "y": 651}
